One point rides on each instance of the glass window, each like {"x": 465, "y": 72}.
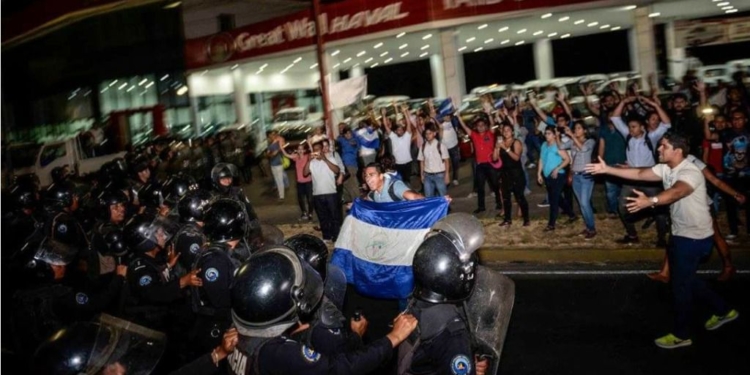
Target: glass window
{"x": 51, "y": 153}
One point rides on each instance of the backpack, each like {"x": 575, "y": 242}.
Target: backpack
{"x": 391, "y": 193}
{"x": 649, "y": 144}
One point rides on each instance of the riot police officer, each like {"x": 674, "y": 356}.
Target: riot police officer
{"x": 223, "y": 177}
{"x": 224, "y": 225}
{"x": 176, "y": 187}
{"x": 21, "y": 217}
{"x": 101, "y": 257}
{"x": 153, "y": 288}
{"x": 328, "y": 333}
{"x": 151, "y": 199}
{"x": 271, "y": 290}
{"x": 445, "y": 267}
{"x": 190, "y": 239}
{"x": 60, "y": 202}
{"x": 140, "y": 175}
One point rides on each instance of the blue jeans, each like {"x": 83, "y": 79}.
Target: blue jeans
{"x": 685, "y": 254}
{"x": 583, "y": 186}
{"x": 432, "y": 182}
{"x": 612, "y": 188}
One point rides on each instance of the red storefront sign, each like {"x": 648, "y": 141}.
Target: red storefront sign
{"x": 341, "y": 20}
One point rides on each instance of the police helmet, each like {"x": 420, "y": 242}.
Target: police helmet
{"x": 225, "y": 220}
{"x": 39, "y": 255}
{"x": 223, "y": 170}
{"x": 445, "y": 263}
{"x": 310, "y": 249}
{"x": 144, "y": 233}
{"x": 271, "y": 290}
{"x": 108, "y": 198}
{"x": 60, "y": 195}
{"x": 192, "y": 206}
{"x": 176, "y": 187}
{"x": 24, "y": 195}
{"x": 114, "y": 241}
{"x": 151, "y": 195}
{"x": 138, "y": 165}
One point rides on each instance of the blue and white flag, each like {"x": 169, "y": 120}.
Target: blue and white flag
{"x": 499, "y": 103}
{"x": 445, "y": 108}
{"x": 377, "y": 242}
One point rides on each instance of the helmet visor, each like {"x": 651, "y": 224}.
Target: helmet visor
{"x": 55, "y": 253}
{"x": 125, "y": 348}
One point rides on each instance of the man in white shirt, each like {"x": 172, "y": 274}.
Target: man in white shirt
{"x": 325, "y": 198}
{"x": 434, "y": 164}
{"x": 692, "y": 232}
{"x": 401, "y": 138}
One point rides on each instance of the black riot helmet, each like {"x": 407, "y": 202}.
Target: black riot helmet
{"x": 151, "y": 195}
{"x": 310, "y": 249}
{"x": 39, "y": 255}
{"x": 271, "y": 290}
{"x": 108, "y": 345}
{"x": 138, "y": 165}
{"x": 223, "y": 170}
{"x": 176, "y": 187}
{"x": 24, "y": 196}
{"x": 445, "y": 263}
{"x": 114, "y": 174}
{"x": 60, "y": 174}
{"x": 114, "y": 240}
{"x": 106, "y": 199}
{"x": 193, "y": 205}
{"x": 60, "y": 195}
{"x": 144, "y": 233}
{"x": 225, "y": 220}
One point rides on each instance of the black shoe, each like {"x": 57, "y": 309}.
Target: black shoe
{"x": 478, "y": 210}
{"x": 627, "y": 240}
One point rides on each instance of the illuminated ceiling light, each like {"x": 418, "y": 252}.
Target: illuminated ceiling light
{"x": 123, "y": 86}
{"x": 727, "y": 8}
{"x": 264, "y": 66}
{"x": 336, "y": 52}
{"x": 579, "y": 22}
{"x": 403, "y": 46}
{"x": 547, "y": 15}
{"x": 722, "y": 4}
{"x": 361, "y": 53}
{"x": 462, "y": 49}
{"x": 490, "y": 40}
{"x": 115, "y": 81}
{"x": 563, "y": 19}
{"x": 592, "y": 24}
{"x": 378, "y": 45}
{"x": 173, "y": 5}
{"x": 478, "y": 49}
{"x": 130, "y": 88}
{"x": 521, "y": 31}
{"x": 471, "y": 39}
{"x": 482, "y": 26}
{"x": 715, "y": 1}
{"x": 506, "y": 41}
{"x": 384, "y": 53}
{"x": 142, "y": 82}
{"x": 428, "y": 36}
{"x": 616, "y": 28}
{"x": 368, "y": 60}
{"x": 182, "y": 90}
{"x": 347, "y": 60}
{"x": 655, "y": 14}
{"x": 400, "y": 35}
{"x": 313, "y": 66}
{"x": 424, "y": 47}
{"x": 150, "y": 84}
{"x": 104, "y": 89}
{"x": 388, "y": 60}
{"x": 604, "y": 27}
{"x": 405, "y": 54}
{"x": 538, "y": 32}
{"x": 423, "y": 54}
{"x": 631, "y": 7}
{"x": 374, "y": 65}
{"x": 551, "y": 35}
{"x": 502, "y": 29}
{"x": 731, "y": 11}
{"x": 235, "y": 66}
{"x": 520, "y": 42}
{"x": 290, "y": 66}
{"x": 297, "y": 60}
{"x": 336, "y": 66}
{"x": 355, "y": 65}
{"x": 565, "y": 36}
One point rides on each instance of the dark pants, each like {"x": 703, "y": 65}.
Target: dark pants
{"x": 514, "y": 182}
{"x": 554, "y": 194}
{"x": 486, "y": 174}
{"x": 733, "y": 207}
{"x": 305, "y": 197}
{"x": 328, "y": 208}
{"x": 455, "y": 154}
{"x": 660, "y": 214}
{"x": 685, "y": 255}
{"x": 405, "y": 171}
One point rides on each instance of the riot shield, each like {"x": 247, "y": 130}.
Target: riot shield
{"x": 488, "y": 312}
{"x": 335, "y": 286}
{"x": 124, "y": 346}
{"x": 272, "y": 235}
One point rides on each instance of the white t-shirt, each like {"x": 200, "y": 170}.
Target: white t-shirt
{"x": 691, "y": 217}
{"x": 401, "y": 147}
{"x": 450, "y": 138}
{"x": 323, "y": 178}
{"x": 433, "y": 160}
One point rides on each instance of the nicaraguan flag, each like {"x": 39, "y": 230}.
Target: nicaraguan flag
{"x": 499, "y": 103}
{"x": 445, "y": 108}
{"x": 377, "y": 243}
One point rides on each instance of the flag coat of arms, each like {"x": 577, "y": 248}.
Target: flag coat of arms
{"x": 377, "y": 243}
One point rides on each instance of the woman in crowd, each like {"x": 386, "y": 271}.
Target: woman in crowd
{"x": 304, "y": 184}
{"x": 583, "y": 183}
{"x": 551, "y": 173}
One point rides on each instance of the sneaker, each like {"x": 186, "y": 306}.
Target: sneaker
{"x": 591, "y": 234}
{"x": 717, "y": 321}
{"x": 455, "y": 182}
{"x": 671, "y": 341}
{"x": 478, "y": 210}
{"x": 472, "y": 195}
{"x": 303, "y": 217}
{"x": 627, "y": 240}
{"x": 531, "y": 166}
{"x": 543, "y": 204}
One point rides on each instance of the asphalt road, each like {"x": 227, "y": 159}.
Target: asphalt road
{"x": 605, "y": 324}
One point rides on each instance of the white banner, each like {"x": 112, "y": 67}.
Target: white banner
{"x": 348, "y": 91}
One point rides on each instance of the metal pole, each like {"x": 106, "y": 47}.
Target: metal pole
{"x": 322, "y": 67}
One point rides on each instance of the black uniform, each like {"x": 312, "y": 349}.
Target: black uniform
{"x": 441, "y": 345}
{"x": 328, "y": 334}
{"x": 152, "y": 290}
{"x": 282, "y": 355}
{"x": 188, "y": 243}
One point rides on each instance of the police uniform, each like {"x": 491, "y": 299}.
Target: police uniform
{"x": 283, "y": 355}
{"x": 152, "y": 288}
{"x": 327, "y": 333}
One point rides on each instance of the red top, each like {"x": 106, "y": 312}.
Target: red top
{"x": 299, "y": 165}
{"x": 484, "y": 144}
{"x": 715, "y": 155}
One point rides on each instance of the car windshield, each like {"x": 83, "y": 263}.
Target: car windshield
{"x": 470, "y": 104}
{"x": 289, "y": 116}
{"x": 24, "y": 156}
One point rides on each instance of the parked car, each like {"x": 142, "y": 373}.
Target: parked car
{"x": 713, "y": 74}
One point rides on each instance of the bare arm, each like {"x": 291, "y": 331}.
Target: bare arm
{"x": 561, "y": 99}
{"x": 411, "y": 195}
{"x": 587, "y": 91}
{"x": 386, "y": 121}
{"x": 306, "y": 170}
{"x": 637, "y": 174}
{"x": 659, "y": 110}
{"x": 721, "y": 185}
{"x": 566, "y": 159}
{"x": 602, "y": 147}
{"x": 466, "y": 129}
